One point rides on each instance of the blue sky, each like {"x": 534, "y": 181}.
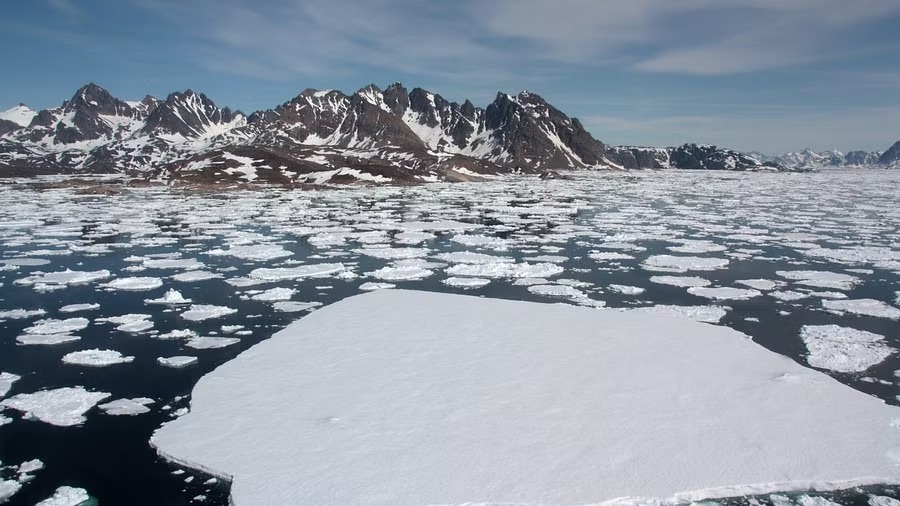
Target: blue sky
{"x": 767, "y": 75}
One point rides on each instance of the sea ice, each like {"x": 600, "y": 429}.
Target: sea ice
{"x": 681, "y": 281}
{"x": 50, "y": 326}
{"x": 469, "y": 257}
{"x": 46, "y": 340}
{"x": 506, "y": 270}
{"x": 96, "y": 358}
{"x": 670, "y": 263}
{"x": 253, "y": 252}
{"x": 200, "y": 312}
{"x": 134, "y": 284}
{"x": 625, "y": 289}
{"x": 76, "y": 308}
{"x": 20, "y": 314}
{"x": 408, "y": 273}
{"x": 63, "y": 406}
{"x": 211, "y": 342}
{"x": 302, "y": 271}
{"x": 345, "y": 405}
{"x": 275, "y": 294}
{"x": 370, "y": 286}
{"x": 177, "y": 361}
{"x": 821, "y": 279}
{"x": 55, "y": 280}
{"x": 172, "y": 298}
{"x": 866, "y": 307}
{"x": 6, "y": 382}
{"x": 133, "y": 323}
{"x": 127, "y": 407}
{"x": 724, "y": 293}
{"x": 66, "y": 496}
{"x": 290, "y": 306}
{"x": 466, "y": 283}
{"x": 759, "y": 284}
{"x": 8, "y": 488}
{"x": 843, "y": 349}
{"x": 703, "y": 314}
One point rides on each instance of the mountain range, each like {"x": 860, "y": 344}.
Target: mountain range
{"x": 326, "y": 136}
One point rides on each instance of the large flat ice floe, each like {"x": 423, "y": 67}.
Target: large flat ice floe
{"x": 64, "y": 406}
{"x": 473, "y": 400}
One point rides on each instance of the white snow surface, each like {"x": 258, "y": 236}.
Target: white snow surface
{"x": 96, "y": 358}
{"x": 865, "y": 307}
{"x": 127, "y": 407}
{"x": 211, "y": 342}
{"x": 6, "y": 382}
{"x": 200, "y": 312}
{"x": 63, "y": 407}
{"x": 139, "y": 284}
{"x": 671, "y": 263}
{"x": 354, "y": 404}
{"x": 843, "y": 349}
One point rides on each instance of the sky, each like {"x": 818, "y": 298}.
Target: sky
{"x": 756, "y": 75}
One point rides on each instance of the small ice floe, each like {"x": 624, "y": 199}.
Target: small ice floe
{"x": 172, "y": 263}
{"x": 56, "y": 280}
{"x": 483, "y": 241}
{"x": 8, "y": 488}
{"x": 626, "y": 290}
{"x": 696, "y": 246}
{"x": 275, "y": 294}
{"x": 412, "y": 237}
{"x": 469, "y": 257}
{"x": 127, "y": 407}
{"x": 96, "y": 358}
{"x": 759, "y": 284}
{"x": 138, "y": 284}
{"x": 289, "y": 306}
{"x": 393, "y": 253}
{"x": 177, "y": 362}
{"x": 865, "y": 307}
{"x": 63, "y": 407}
{"x": 680, "y": 281}
{"x": 789, "y": 295}
{"x": 405, "y": 273}
{"x": 703, "y": 314}
{"x": 26, "y": 470}
{"x": 506, "y": 270}
{"x": 77, "y": 308}
{"x": 566, "y": 292}
{"x": 253, "y": 252}
{"x": 200, "y": 312}
{"x": 370, "y": 286}
{"x": 133, "y": 323}
{"x": 195, "y": 276}
{"x": 172, "y": 298}
{"x": 228, "y": 329}
{"x": 670, "y": 263}
{"x": 882, "y": 500}
{"x": 177, "y": 334}
{"x": 50, "y": 326}
{"x": 821, "y": 279}
{"x": 466, "y": 283}
{"x": 843, "y": 349}
{"x": 211, "y": 342}
{"x": 724, "y": 293}
{"x": 20, "y": 314}
{"x": 66, "y": 496}
{"x": 622, "y": 246}
{"x": 6, "y": 382}
{"x": 301, "y": 271}
{"x": 553, "y": 259}
{"x": 46, "y": 340}
{"x": 24, "y": 262}
{"x": 606, "y": 256}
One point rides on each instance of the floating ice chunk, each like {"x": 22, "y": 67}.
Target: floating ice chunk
{"x": 506, "y": 270}
{"x": 690, "y": 246}
{"x": 606, "y": 256}
{"x": 843, "y": 349}
{"x": 177, "y": 361}
{"x": 134, "y": 284}
{"x": 211, "y": 342}
{"x": 55, "y": 280}
{"x": 127, "y": 407}
{"x": 172, "y": 263}
{"x": 172, "y": 298}
{"x": 671, "y": 263}
{"x": 368, "y": 287}
{"x": 302, "y": 271}
{"x": 275, "y": 294}
{"x": 8, "y": 488}
{"x": 410, "y": 273}
{"x": 623, "y": 246}
{"x": 30, "y": 467}
{"x": 46, "y": 340}
{"x": 133, "y": 323}
{"x": 681, "y": 281}
{"x": 625, "y": 289}
{"x": 436, "y": 226}
{"x": 881, "y": 500}
{"x": 703, "y": 314}
{"x": 96, "y": 358}
{"x": 392, "y": 253}
{"x": 466, "y": 283}
{"x": 483, "y": 241}
{"x": 822, "y": 279}
{"x": 76, "y": 308}
{"x": 294, "y": 307}
{"x": 178, "y": 334}
{"x": 567, "y": 292}
{"x": 469, "y": 257}
{"x": 789, "y": 295}
{"x": 553, "y": 259}
{"x": 412, "y": 238}
{"x": 25, "y": 262}
{"x": 195, "y": 276}
{"x": 19, "y": 314}
{"x": 253, "y": 252}
{"x": 6, "y": 382}
{"x": 50, "y": 326}
{"x": 228, "y": 329}
{"x": 759, "y": 284}
{"x": 200, "y": 312}
{"x": 724, "y": 293}
{"x": 866, "y": 307}
{"x": 364, "y": 397}
{"x": 66, "y": 496}
{"x": 63, "y": 406}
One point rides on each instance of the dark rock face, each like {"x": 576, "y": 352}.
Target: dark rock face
{"x": 861, "y": 158}
{"x": 689, "y": 157}
{"x": 641, "y": 157}
{"x": 7, "y": 126}
{"x": 187, "y": 114}
{"x": 891, "y": 157}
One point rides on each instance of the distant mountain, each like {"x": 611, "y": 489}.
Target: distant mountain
{"x": 809, "y": 159}
{"x": 320, "y": 136}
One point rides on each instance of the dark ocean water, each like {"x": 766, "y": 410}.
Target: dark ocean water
{"x": 754, "y": 217}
